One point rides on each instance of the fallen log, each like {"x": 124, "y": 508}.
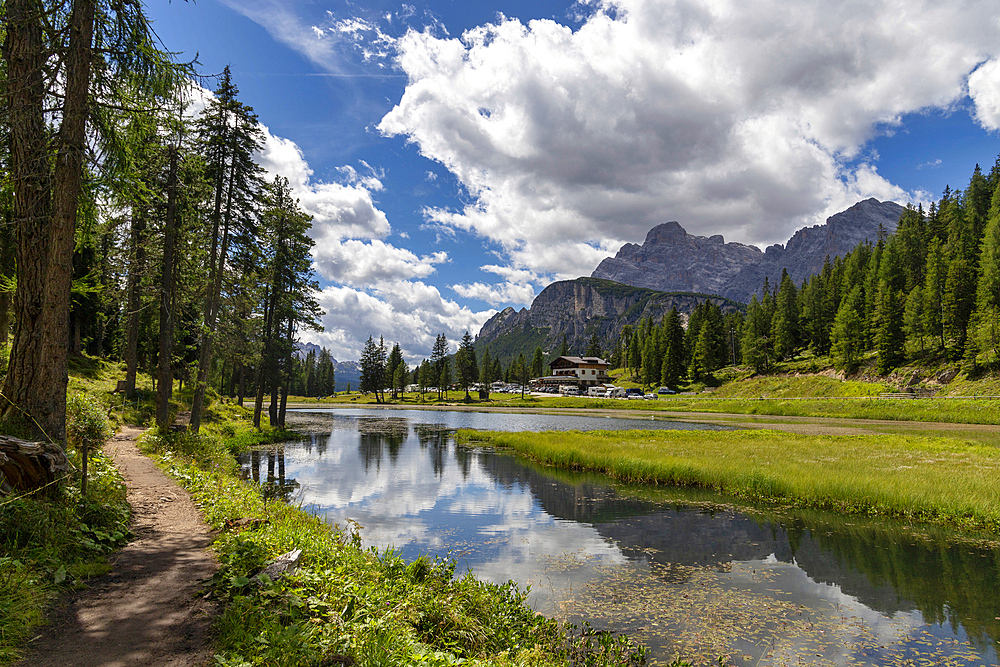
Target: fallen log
{"x": 26, "y": 466}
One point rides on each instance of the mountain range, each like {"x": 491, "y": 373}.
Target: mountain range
{"x": 672, "y": 260}
{"x": 577, "y": 309}
{"x": 674, "y": 269}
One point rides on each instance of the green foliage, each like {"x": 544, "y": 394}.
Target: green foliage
{"x": 86, "y": 422}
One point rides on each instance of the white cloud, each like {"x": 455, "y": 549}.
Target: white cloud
{"x": 497, "y": 295}
{"x": 731, "y": 117}
{"x": 339, "y": 210}
{"x": 361, "y": 264}
{"x": 409, "y": 312}
{"x": 984, "y": 88}
{"x": 315, "y": 43}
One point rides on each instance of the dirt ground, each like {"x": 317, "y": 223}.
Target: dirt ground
{"x": 146, "y": 611}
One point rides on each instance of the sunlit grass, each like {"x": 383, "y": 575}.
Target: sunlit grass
{"x": 935, "y": 480}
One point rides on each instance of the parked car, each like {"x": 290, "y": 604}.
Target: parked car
{"x": 650, "y": 397}
{"x": 665, "y": 390}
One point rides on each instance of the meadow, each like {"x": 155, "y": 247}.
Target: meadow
{"x": 945, "y": 481}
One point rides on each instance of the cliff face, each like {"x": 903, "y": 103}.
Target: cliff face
{"x": 670, "y": 259}
{"x": 577, "y": 309}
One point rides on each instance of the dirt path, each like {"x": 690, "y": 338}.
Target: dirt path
{"x": 145, "y": 612}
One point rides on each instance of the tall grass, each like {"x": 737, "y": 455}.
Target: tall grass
{"x": 934, "y": 480}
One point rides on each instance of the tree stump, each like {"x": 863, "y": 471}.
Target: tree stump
{"x": 26, "y": 466}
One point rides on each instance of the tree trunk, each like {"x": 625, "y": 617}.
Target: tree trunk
{"x": 7, "y": 245}
{"x": 241, "y": 391}
{"x": 45, "y": 214}
{"x": 29, "y": 465}
{"x": 164, "y": 366}
{"x": 138, "y": 243}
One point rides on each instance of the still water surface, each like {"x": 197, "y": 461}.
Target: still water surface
{"x": 676, "y": 569}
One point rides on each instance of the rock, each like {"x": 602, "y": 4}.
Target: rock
{"x": 579, "y": 308}
{"x": 284, "y": 565}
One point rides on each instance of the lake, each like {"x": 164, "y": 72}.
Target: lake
{"x": 683, "y": 571}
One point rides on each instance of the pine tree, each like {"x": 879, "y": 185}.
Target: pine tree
{"x": 466, "y": 364}
{"x": 757, "y": 350}
{"x": 439, "y": 357}
{"x": 890, "y": 343}
{"x": 847, "y": 335}
{"x": 394, "y": 363}
{"x": 486, "y": 376}
{"x": 987, "y": 314}
{"x": 538, "y": 363}
{"x": 913, "y": 317}
{"x": 785, "y": 323}
{"x": 594, "y": 346}
{"x": 935, "y": 277}
{"x": 372, "y": 370}
{"x": 289, "y": 304}
{"x": 231, "y": 137}
{"x": 673, "y": 367}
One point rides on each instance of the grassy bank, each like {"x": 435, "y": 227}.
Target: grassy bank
{"x": 934, "y": 480}
{"x": 348, "y": 605}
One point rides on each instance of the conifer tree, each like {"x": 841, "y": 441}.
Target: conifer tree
{"x": 785, "y": 323}
{"x": 987, "y": 315}
{"x": 231, "y": 136}
{"x": 538, "y": 363}
{"x": 935, "y": 277}
{"x": 393, "y": 366}
{"x": 439, "y": 357}
{"x": 594, "y": 346}
{"x": 673, "y": 366}
{"x": 466, "y": 364}
{"x": 847, "y": 336}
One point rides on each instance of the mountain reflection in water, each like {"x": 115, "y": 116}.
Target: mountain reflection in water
{"x": 677, "y": 569}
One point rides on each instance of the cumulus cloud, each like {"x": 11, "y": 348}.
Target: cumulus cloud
{"x": 340, "y": 210}
{"x": 361, "y": 264}
{"x": 733, "y": 118}
{"x": 409, "y": 312}
{"x": 984, "y": 89}
{"x": 496, "y": 295}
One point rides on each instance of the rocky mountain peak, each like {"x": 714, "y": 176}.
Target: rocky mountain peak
{"x": 672, "y": 260}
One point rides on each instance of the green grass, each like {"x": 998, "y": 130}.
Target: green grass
{"x": 53, "y": 541}
{"x": 934, "y": 480}
{"x": 349, "y": 602}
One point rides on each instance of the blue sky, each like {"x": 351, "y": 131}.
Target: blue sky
{"x": 459, "y": 156}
